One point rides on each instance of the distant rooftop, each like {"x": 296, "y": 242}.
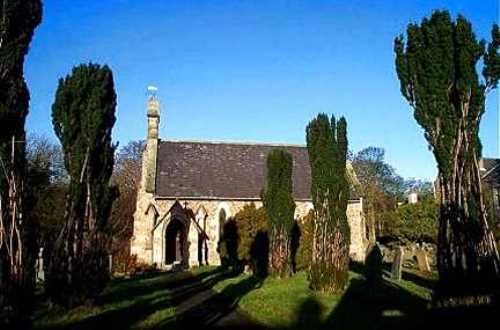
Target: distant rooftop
{"x": 490, "y": 171}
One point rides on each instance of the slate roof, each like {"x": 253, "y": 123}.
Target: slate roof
{"x": 223, "y": 170}
{"x": 491, "y": 173}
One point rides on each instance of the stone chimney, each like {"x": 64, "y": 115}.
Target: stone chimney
{"x": 152, "y": 143}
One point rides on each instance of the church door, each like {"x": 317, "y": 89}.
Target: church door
{"x": 175, "y": 237}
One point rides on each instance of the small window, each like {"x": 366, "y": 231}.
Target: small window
{"x": 222, "y": 221}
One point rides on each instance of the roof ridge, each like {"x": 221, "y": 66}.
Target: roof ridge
{"x": 249, "y": 143}
{"x": 488, "y": 172}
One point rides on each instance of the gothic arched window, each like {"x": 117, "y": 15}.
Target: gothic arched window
{"x": 222, "y": 222}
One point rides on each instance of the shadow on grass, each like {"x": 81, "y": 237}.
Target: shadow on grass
{"x": 129, "y": 302}
{"x": 185, "y": 301}
{"x": 386, "y": 305}
{"x": 208, "y": 313}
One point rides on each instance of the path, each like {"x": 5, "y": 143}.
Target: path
{"x": 199, "y": 306}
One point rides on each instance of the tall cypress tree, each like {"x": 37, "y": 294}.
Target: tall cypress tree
{"x": 327, "y": 148}
{"x": 436, "y": 66}
{"x": 83, "y": 116}
{"x": 18, "y": 20}
{"x": 280, "y": 208}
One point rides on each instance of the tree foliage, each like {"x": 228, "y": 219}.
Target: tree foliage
{"x": 305, "y": 235}
{"x": 327, "y": 148}
{"x": 413, "y": 222}
{"x": 83, "y": 115}
{"x": 380, "y": 186}
{"x": 436, "y": 66}
{"x": 48, "y": 183}
{"x": 251, "y": 221}
{"x": 126, "y": 176}
{"x": 280, "y": 208}
{"x": 18, "y": 20}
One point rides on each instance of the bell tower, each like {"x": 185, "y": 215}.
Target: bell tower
{"x": 152, "y": 139}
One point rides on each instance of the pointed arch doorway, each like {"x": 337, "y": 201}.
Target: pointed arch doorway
{"x": 175, "y": 242}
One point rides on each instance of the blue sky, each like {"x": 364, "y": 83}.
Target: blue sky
{"x": 249, "y": 70}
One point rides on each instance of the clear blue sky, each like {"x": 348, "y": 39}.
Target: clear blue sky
{"x": 249, "y": 70}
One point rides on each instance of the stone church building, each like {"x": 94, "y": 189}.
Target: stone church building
{"x": 189, "y": 189}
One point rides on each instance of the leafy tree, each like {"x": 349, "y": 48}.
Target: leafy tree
{"x": 414, "y": 222}
{"x": 280, "y": 207}
{"x": 83, "y": 116}
{"x": 18, "y": 20}
{"x": 379, "y": 185}
{"x": 126, "y": 176}
{"x": 436, "y": 66}
{"x": 327, "y": 148}
{"x": 48, "y": 182}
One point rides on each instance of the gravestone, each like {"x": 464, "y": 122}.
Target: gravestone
{"x": 422, "y": 260}
{"x": 110, "y": 264}
{"x": 397, "y": 264}
{"x": 40, "y": 275}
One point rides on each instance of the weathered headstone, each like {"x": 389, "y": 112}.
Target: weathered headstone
{"x": 422, "y": 260}
{"x": 397, "y": 264}
{"x": 247, "y": 270}
{"x": 40, "y": 275}
{"x": 110, "y": 264}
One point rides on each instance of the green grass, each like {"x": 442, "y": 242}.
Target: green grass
{"x": 149, "y": 301}
{"x": 140, "y": 302}
{"x": 289, "y": 303}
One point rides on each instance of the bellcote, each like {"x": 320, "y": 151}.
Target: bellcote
{"x": 153, "y": 117}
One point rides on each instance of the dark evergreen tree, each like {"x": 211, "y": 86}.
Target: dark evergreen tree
{"x": 436, "y": 66}
{"x": 327, "y": 148}
{"x": 83, "y": 116}
{"x": 18, "y": 20}
{"x": 280, "y": 208}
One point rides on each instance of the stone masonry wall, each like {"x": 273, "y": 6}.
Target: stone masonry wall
{"x": 151, "y": 222}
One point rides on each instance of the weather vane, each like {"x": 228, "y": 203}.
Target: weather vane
{"x": 152, "y": 91}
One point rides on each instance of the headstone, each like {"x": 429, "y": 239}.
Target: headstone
{"x": 40, "y": 275}
{"x": 397, "y": 264}
{"x": 422, "y": 260}
{"x": 110, "y": 264}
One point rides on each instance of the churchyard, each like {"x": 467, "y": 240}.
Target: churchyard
{"x": 195, "y": 234}
{"x": 210, "y": 297}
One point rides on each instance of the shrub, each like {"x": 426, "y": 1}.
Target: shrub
{"x": 305, "y": 233}
{"x": 414, "y": 222}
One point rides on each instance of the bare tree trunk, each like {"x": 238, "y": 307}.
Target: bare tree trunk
{"x": 468, "y": 259}
{"x": 279, "y": 258}
{"x": 16, "y": 255}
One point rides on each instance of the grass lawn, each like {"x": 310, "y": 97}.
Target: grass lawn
{"x": 166, "y": 300}
{"x": 144, "y": 301}
{"x": 289, "y": 303}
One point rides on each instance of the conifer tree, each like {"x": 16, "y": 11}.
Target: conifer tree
{"x": 436, "y": 66}
{"x": 280, "y": 207}
{"x": 83, "y": 116}
{"x": 327, "y": 148}
{"x": 18, "y": 250}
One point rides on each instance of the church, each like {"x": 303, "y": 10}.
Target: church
{"x": 189, "y": 189}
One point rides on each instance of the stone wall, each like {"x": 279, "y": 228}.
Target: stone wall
{"x": 152, "y": 218}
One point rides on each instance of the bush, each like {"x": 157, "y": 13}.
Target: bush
{"x": 228, "y": 245}
{"x": 252, "y": 227}
{"x": 305, "y": 233}
{"x": 414, "y": 222}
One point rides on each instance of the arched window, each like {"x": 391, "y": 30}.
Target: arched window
{"x": 222, "y": 222}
